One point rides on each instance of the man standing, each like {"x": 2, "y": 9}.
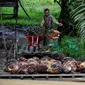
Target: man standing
{"x": 47, "y": 23}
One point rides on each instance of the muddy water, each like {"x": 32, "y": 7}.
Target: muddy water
{"x": 36, "y": 82}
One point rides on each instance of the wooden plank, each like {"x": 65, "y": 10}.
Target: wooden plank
{"x": 63, "y": 77}
{"x": 8, "y": 4}
{"x": 42, "y": 75}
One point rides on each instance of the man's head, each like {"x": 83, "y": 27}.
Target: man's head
{"x": 46, "y": 11}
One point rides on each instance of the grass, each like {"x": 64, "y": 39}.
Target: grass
{"x": 34, "y": 9}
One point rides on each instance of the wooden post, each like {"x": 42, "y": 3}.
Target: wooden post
{"x": 16, "y": 9}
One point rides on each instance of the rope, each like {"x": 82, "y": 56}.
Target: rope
{"x": 24, "y": 9}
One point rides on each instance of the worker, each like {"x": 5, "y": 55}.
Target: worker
{"x": 47, "y": 24}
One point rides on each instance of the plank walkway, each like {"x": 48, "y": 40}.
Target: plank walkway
{"x": 42, "y": 76}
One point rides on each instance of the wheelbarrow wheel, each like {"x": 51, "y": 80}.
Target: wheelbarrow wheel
{"x": 34, "y": 48}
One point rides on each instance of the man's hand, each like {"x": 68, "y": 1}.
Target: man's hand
{"x": 60, "y": 24}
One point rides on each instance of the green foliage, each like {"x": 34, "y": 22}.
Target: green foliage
{"x": 73, "y": 16}
{"x": 77, "y": 14}
{"x": 41, "y": 2}
{"x": 68, "y": 27}
{"x": 70, "y": 46}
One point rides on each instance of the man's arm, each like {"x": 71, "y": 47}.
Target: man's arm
{"x": 42, "y": 23}
{"x": 56, "y": 22}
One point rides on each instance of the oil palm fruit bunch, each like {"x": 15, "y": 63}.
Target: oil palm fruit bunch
{"x": 23, "y": 65}
{"x": 82, "y": 67}
{"x": 70, "y": 66}
{"x": 32, "y": 65}
{"x": 12, "y": 66}
{"x": 54, "y": 66}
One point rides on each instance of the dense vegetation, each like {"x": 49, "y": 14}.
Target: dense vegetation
{"x": 73, "y": 16}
